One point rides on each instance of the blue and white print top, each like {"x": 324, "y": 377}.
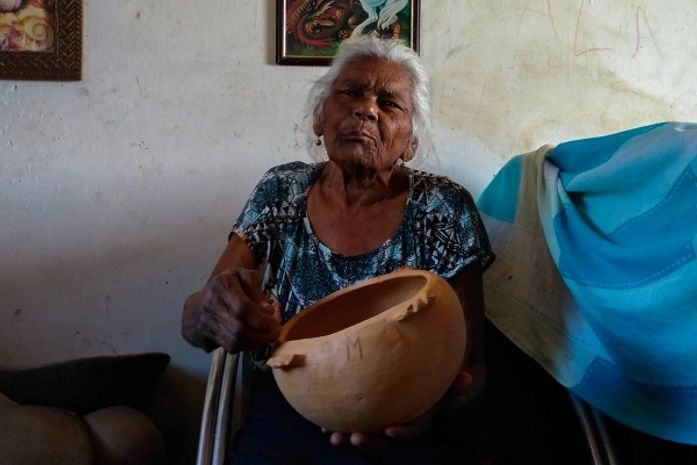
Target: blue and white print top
{"x": 441, "y": 232}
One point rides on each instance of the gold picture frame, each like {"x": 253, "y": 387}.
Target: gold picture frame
{"x": 62, "y": 60}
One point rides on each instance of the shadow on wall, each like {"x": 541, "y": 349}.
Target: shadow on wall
{"x": 120, "y": 300}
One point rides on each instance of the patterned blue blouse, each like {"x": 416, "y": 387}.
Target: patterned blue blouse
{"x": 441, "y": 231}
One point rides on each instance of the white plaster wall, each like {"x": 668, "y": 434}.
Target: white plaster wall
{"x": 116, "y": 192}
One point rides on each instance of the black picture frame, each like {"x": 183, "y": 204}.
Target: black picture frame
{"x": 309, "y": 32}
{"x": 64, "y": 59}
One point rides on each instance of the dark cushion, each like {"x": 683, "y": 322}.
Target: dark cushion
{"x": 87, "y": 384}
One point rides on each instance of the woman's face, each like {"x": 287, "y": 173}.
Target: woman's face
{"x": 367, "y": 117}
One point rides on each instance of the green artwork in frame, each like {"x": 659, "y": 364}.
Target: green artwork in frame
{"x": 309, "y": 31}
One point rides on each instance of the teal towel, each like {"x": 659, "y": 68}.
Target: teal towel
{"x": 596, "y": 270}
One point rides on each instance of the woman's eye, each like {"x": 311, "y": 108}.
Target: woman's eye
{"x": 350, "y": 92}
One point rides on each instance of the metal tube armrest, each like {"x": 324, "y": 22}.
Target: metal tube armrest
{"x": 593, "y": 424}
{"x": 225, "y": 395}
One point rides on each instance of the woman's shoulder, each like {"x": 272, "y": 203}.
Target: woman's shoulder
{"x": 433, "y": 191}
{"x": 288, "y": 179}
{"x": 278, "y": 197}
{"x": 294, "y": 170}
{"x": 296, "y": 167}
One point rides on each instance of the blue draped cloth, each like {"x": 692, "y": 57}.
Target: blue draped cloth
{"x": 596, "y": 274}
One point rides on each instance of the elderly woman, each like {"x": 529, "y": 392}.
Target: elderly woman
{"x": 320, "y": 227}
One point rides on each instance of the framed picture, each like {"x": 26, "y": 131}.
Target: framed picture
{"x": 41, "y": 39}
{"x": 308, "y": 32}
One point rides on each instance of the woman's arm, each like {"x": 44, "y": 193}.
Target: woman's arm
{"x": 230, "y": 311}
{"x": 471, "y": 380}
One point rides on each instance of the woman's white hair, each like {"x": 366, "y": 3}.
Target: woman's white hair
{"x": 391, "y": 50}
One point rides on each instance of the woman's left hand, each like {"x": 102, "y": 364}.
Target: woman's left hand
{"x": 407, "y": 431}
{"x": 467, "y": 385}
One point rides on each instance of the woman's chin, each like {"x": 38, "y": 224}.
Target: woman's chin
{"x": 360, "y": 164}
{"x": 358, "y": 156}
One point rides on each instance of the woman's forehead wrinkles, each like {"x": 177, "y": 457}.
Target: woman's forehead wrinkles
{"x": 386, "y": 86}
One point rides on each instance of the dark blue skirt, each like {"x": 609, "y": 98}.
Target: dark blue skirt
{"x": 523, "y": 418}
{"x": 276, "y": 434}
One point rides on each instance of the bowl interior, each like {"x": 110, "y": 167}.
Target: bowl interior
{"x": 334, "y": 313}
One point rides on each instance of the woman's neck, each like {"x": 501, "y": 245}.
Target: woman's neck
{"x": 353, "y": 216}
{"x": 359, "y": 189}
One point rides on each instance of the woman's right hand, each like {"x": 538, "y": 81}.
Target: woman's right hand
{"x": 231, "y": 312}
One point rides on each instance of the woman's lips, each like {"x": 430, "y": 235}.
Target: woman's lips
{"x": 357, "y": 136}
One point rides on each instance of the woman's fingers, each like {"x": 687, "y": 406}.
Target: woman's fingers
{"x": 232, "y": 334}
{"x": 250, "y": 281}
{"x": 469, "y": 384}
{"x": 403, "y": 432}
{"x": 239, "y": 291}
{"x": 235, "y": 316}
{"x": 253, "y": 338}
{"x": 220, "y": 327}
{"x": 248, "y": 311}
{"x": 363, "y": 440}
{"x": 461, "y": 384}
{"x": 338, "y": 439}
{"x": 368, "y": 440}
{"x": 411, "y": 430}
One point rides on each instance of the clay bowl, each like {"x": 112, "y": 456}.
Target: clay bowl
{"x": 378, "y": 353}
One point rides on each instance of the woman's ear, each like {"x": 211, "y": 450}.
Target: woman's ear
{"x": 317, "y": 126}
{"x": 410, "y": 150}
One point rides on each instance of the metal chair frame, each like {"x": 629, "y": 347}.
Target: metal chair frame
{"x": 594, "y": 428}
{"x": 224, "y": 407}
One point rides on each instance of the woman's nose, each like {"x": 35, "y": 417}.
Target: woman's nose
{"x": 365, "y": 110}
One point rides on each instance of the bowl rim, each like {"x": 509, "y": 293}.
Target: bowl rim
{"x": 399, "y": 273}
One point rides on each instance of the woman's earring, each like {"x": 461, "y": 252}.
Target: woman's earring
{"x": 318, "y": 142}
